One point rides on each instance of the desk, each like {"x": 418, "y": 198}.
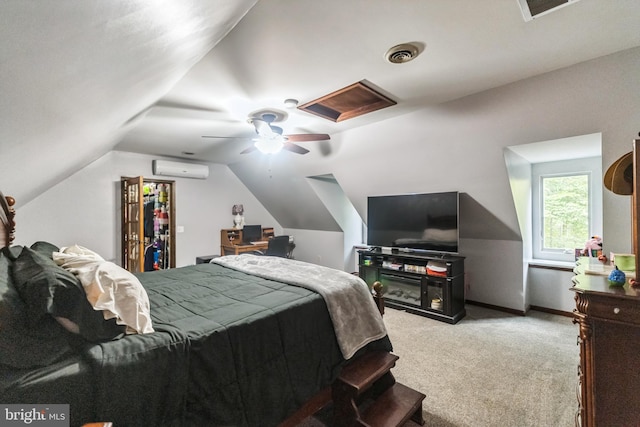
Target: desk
{"x": 230, "y": 237}
{"x": 239, "y": 249}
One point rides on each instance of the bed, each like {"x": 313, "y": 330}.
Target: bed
{"x": 229, "y": 347}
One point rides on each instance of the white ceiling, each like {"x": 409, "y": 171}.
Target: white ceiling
{"x": 575, "y": 147}
{"x": 305, "y": 49}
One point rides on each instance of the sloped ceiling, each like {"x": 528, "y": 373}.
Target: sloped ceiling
{"x": 288, "y": 196}
{"x": 74, "y": 74}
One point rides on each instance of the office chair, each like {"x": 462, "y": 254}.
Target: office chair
{"x": 278, "y": 246}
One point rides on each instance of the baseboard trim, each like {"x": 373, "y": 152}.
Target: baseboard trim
{"x": 518, "y": 312}
{"x": 552, "y": 311}
{"x": 496, "y": 307}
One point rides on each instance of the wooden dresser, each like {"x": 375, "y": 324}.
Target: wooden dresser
{"x": 609, "y": 339}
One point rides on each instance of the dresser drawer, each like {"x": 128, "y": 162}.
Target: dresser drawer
{"x": 619, "y": 309}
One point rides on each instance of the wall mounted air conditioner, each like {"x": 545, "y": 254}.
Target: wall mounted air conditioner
{"x": 182, "y": 170}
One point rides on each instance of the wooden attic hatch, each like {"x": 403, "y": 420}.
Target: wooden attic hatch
{"x": 349, "y": 102}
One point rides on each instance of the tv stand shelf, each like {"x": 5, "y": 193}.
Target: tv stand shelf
{"x": 431, "y": 285}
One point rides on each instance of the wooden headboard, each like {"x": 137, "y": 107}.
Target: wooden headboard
{"x": 635, "y": 206}
{"x": 8, "y": 225}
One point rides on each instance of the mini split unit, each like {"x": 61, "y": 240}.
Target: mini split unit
{"x": 182, "y": 170}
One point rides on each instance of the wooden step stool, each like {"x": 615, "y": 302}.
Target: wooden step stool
{"x": 367, "y": 394}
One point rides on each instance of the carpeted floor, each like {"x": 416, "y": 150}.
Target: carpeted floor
{"x": 491, "y": 369}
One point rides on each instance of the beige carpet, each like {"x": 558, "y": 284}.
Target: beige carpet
{"x": 491, "y": 369}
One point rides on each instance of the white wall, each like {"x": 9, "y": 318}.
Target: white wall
{"x": 550, "y": 289}
{"x": 494, "y": 271}
{"x": 318, "y": 247}
{"x": 521, "y": 191}
{"x": 85, "y": 208}
{"x": 345, "y": 215}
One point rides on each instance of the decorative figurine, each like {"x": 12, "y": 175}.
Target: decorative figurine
{"x": 617, "y": 277}
{"x": 238, "y": 220}
{"x": 593, "y": 248}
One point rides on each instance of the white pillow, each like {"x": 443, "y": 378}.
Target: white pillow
{"x": 109, "y": 287}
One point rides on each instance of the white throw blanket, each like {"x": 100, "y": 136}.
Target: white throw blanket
{"x": 355, "y": 317}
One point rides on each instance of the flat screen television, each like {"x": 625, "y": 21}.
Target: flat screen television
{"x": 427, "y": 222}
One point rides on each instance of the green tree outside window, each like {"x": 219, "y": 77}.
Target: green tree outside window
{"x": 565, "y": 212}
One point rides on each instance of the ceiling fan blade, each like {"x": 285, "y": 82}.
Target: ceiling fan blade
{"x": 294, "y": 148}
{"x": 250, "y": 149}
{"x": 302, "y": 137}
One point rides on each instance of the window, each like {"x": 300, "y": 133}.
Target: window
{"x": 567, "y": 211}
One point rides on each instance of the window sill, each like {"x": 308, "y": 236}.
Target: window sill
{"x": 552, "y": 265}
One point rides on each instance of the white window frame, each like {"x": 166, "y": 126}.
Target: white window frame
{"x": 590, "y": 166}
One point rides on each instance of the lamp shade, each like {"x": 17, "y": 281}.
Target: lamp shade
{"x": 269, "y": 145}
{"x": 237, "y": 210}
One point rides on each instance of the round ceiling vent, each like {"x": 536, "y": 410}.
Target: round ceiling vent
{"x": 402, "y": 53}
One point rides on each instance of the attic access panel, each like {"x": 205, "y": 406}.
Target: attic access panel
{"x": 347, "y": 103}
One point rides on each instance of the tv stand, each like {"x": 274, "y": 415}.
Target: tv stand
{"x": 431, "y": 285}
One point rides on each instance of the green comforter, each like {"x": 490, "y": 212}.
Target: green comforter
{"x": 230, "y": 349}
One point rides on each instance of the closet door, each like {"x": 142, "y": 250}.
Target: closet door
{"x": 148, "y": 224}
{"x": 132, "y": 224}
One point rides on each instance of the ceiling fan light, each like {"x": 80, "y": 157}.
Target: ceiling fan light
{"x": 269, "y": 146}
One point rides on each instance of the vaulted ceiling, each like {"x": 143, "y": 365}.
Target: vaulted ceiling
{"x": 79, "y": 79}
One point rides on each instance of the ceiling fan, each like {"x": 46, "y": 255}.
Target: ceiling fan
{"x": 270, "y": 139}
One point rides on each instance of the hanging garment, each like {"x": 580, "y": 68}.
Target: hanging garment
{"x": 148, "y": 258}
{"x": 148, "y": 218}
